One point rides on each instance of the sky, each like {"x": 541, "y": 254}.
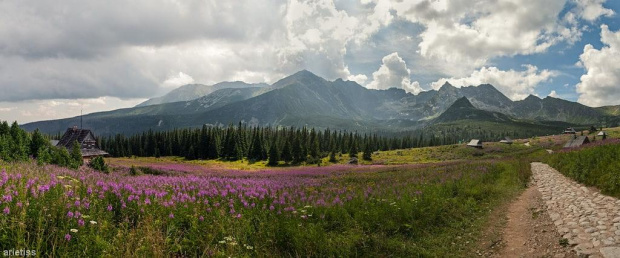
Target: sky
{"x": 62, "y": 56}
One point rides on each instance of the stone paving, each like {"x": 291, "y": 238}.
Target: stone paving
{"x": 589, "y": 220}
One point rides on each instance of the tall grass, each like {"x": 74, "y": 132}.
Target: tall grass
{"x": 337, "y": 211}
{"x": 597, "y": 166}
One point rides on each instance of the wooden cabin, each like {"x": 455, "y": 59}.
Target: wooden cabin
{"x": 87, "y": 141}
{"x": 577, "y": 141}
{"x": 475, "y": 143}
{"x": 506, "y": 140}
{"x": 570, "y": 130}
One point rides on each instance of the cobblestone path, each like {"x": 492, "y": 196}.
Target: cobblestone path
{"x": 589, "y": 220}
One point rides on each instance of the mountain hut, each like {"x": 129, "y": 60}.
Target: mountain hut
{"x": 475, "y": 143}
{"x": 577, "y": 141}
{"x": 87, "y": 141}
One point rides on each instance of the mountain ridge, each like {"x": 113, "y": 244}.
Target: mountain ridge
{"x": 306, "y": 99}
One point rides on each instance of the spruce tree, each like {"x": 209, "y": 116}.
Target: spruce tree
{"x": 297, "y": 152}
{"x": 274, "y": 155}
{"x": 287, "y": 155}
{"x": 37, "y": 142}
{"x": 76, "y": 155}
{"x": 43, "y": 156}
{"x": 367, "y": 152}
{"x": 314, "y": 147}
{"x": 332, "y": 156}
{"x": 353, "y": 150}
{"x": 213, "y": 148}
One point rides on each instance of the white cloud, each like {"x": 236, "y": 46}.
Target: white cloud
{"x": 554, "y": 94}
{"x": 36, "y": 110}
{"x": 515, "y": 85}
{"x": 360, "y": 78}
{"x": 394, "y": 73}
{"x": 591, "y": 10}
{"x": 463, "y": 35}
{"x": 600, "y": 85}
{"x": 178, "y": 80}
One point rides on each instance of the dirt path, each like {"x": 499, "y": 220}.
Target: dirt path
{"x": 529, "y": 231}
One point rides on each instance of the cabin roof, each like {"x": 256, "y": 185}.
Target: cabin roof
{"x": 506, "y": 140}
{"x": 602, "y": 133}
{"x": 570, "y": 130}
{"x": 577, "y": 141}
{"x": 475, "y": 142}
{"x": 73, "y": 134}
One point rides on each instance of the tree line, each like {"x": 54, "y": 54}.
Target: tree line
{"x": 290, "y": 145}
{"x": 236, "y": 142}
{"x": 287, "y": 144}
{"x": 18, "y": 145}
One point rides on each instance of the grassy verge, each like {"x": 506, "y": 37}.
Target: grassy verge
{"x": 597, "y": 166}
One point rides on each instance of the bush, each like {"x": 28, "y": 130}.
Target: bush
{"x": 152, "y": 171}
{"x": 99, "y": 164}
{"x": 133, "y": 171}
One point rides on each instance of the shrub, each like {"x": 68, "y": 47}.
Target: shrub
{"x": 133, "y": 171}
{"x": 99, "y": 164}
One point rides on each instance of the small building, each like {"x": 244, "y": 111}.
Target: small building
{"x": 506, "y": 140}
{"x": 602, "y": 133}
{"x": 570, "y": 130}
{"x": 475, "y": 143}
{"x": 577, "y": 141}
{"x": 87, "y": 141}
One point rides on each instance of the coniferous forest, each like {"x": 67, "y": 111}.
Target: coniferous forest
{"x": 287, "y": 144}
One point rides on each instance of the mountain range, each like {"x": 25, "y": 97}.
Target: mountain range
{"x": 305, "y": 99}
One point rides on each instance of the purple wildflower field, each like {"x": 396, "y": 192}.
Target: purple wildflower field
{"x": 192, "y": 210}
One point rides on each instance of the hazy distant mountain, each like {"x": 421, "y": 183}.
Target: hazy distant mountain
{"x": 194, "y": 91}
{"x": 554, "y": 109}
{"x": 304, "y": 99}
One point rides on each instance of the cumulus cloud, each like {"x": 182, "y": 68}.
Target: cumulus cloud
{"x": 554, "y": 94}
{"x": 462, "y": 35}
{"x": 591, "y": 10}
{"x": 599, "y": 86}
{"x": 132, "y": 50}
{"x": 516, "y": 85}
{"x": 394, "y": 73}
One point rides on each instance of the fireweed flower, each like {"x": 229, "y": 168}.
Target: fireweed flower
{"x": 109, "y": 207}
{"x": 68, "y": 237}
{"x": 6, "y": 210}
{"x": 171, "y": 216}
